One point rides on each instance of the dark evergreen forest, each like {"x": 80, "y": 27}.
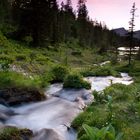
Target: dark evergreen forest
{"x": 46, "y": 22}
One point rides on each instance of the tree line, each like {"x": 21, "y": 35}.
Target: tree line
{"x": 46, "y": 23}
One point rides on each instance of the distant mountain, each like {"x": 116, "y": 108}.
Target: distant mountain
{"x": 137, "y": 34}
{"x": 123, "y": 32}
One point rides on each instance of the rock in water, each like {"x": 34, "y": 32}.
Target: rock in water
{"x": 5, "y": 112}
{"x": 47, "y": 134}
{"x": 15, "y": 96}
{"x": 81, "y": 103}
{"x": 13, "y": 133}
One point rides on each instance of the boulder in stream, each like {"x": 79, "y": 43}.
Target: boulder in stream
{"x": 13, "y": 133}
{"x": 47, "y": 134}
{"x": 15, "y": 96}
{"x": 5, "y": 112}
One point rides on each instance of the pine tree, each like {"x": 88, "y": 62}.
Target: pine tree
{"x": 82, "y": 22}
{"x": 38, "y": 18}
{"x": 47, "y": 24}
{"x": 4, "y": 11}
{"x": 131, "y": 32}
{"x": 68, "y": 6}
{"x": 66, "y": 20}
{"x": 82, "y": 10}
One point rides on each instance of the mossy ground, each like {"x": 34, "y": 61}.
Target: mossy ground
{"x": 12, "y": 133}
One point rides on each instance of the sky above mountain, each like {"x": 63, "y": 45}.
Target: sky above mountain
{"x": 115, "y": 13}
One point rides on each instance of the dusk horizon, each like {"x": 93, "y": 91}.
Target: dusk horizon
{"x": 115, "y": 14}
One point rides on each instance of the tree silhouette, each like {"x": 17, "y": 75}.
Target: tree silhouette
{"x": 48, "y": 24}
{"x": 131, "y": 32}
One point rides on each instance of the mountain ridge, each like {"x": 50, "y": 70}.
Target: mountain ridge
{"x": 123, "y": 32}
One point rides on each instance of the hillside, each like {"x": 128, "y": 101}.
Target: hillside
{"x": 121, "y": 31}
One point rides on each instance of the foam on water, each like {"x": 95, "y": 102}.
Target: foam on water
{"x": 100, "y": 83}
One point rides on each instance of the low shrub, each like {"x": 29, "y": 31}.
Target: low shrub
{"x": 106, "y": 71}
{"x": 45, "y": 79}
{"x": 99, "y": 97}
{"x": 118, "y": 92}
{"x": 75, "y": 81}
{"x": 59, "y": 72}
{"x": 88, "y": 71}
{"x": 99, "y": 71}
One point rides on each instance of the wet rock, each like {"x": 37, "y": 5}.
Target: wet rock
{"x": 15, "y": 96}
{"x": 2, "y": 101}
{"x": 13, "y": 133}
{"x": 47, "y": 134}
{"x": 5, "y": 112}
{"x": 81, "y": 103}
{"x": 3, "y": 117}
{"x": 4, "y": 109}
{"x": 73, "y": 94}
{"x": 104, "y": 63}
{"x": 1, "y": 125}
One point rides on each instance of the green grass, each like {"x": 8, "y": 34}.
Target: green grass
{"x": 120, "y": 92}
{"x": 14, "y": 79}
{"x": 106, "y": 70}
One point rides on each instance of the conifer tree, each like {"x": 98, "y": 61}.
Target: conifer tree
{"x": 38, "y": 18}
{"x": 82, "y": 22}
{"x": 82, "y": 10}
{"x": 47, "y": 24}
{"x": 4, "y": 11}
{"x": 131, "y": 32}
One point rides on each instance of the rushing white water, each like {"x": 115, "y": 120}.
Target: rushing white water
{"x": 100, "y": 83}
{"x": 51, "y": 119}
{"x": 125, "y": 50}
{"x": 54, "y": 114}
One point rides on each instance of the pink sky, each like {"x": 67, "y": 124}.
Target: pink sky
{"x": 115, "y": 13}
